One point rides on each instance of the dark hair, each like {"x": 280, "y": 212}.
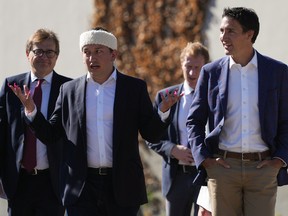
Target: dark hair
{"x": 99, "y": 28}
{"x": 41, "y": 35}
{"x": 247, "y": 18}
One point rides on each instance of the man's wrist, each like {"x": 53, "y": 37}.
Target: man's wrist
{"x": 31, "y": 115}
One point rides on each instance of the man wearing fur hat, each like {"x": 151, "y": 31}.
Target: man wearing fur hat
{"x": 101, "y": 114}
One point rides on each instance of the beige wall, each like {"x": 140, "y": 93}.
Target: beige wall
{"x": 273, "y": 19}
{"x": 19, "y": 19}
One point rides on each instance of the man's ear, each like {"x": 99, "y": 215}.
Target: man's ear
{"x": 250, "y": 34}
{"x": 114, "y": 54}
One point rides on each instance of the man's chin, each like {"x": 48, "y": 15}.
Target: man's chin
{"x": 227, "y": 52}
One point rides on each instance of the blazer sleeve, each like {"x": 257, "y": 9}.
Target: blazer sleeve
{"x": 49, "y": 131}
{"x": 281, "y": 138}
{"x": 165, "y": 145}
{"x": 151, "y": 127}
{"x": 197, "y": 119}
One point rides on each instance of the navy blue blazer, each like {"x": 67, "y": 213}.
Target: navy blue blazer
{"x": 12, "y": 128}
{"x": 210, "y": 103}
{"x": 170, "y": 138}
{"x": 133, "y": 113}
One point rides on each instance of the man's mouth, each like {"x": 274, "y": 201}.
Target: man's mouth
{"x": 226, "y": 46}
{"x": 94, "y": 66}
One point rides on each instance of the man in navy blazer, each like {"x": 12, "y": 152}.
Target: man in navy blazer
{"x": 101, "y": 115}
{"x": 33, "y": 192}
{"x": 178, "y": 167}
{"x": 243, "y": 96}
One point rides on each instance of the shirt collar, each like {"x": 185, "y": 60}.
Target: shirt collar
{"x": 253, "y": 61}
{"x": 112, "y": 76}
{"x": 47, "y": 78}
{"x": 186, "y": 88}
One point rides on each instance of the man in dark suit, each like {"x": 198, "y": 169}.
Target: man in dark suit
{"x": 178, "y": 168}
{"x": 244, "y": 98}
{"x": 101, "y": 114}
{"x": 31, "y": 190}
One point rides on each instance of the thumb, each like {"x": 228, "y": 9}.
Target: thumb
{"x": 222, "y": 162}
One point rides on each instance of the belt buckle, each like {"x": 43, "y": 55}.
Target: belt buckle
{"x": 34, "y": 172}
{"x": 242, "y": 157}
{"x": 184, "y": 169}
{"x": 102, "y": 171}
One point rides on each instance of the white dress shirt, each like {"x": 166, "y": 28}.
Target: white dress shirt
{"x": 185, "y": 104}
{"x": 42, "y": 159}
{"x": 241, "y": 131}
{"x": 99, "y": 119}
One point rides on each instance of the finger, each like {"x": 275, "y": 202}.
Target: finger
{"x": 11, "y": 87}
{"x": 176, "y": 92}
{"x": 262, "y": 164}
{"x": 182, "y": 93}
{"x": 27, "y": 92}
{"x": 162, "y": 96}
{"x": 222, "y": 162}
{"x": 16, "y": 90}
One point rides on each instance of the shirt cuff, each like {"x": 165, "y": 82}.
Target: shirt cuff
{"x": 285, "y": 164}
{"x": 164, "y": 115}
{"x": 170, "y": 150}
{"x": 30, "y": 116}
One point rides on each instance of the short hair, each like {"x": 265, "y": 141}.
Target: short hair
{"x": 41, "y": 35}
{"x": 195, "y": 49}
{"x": 247, "y": 18}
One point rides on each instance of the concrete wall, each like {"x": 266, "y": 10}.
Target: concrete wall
{"x": 69, "y": 18}
{"x": 19, "y": 19}
{"x": 272, "y": 15}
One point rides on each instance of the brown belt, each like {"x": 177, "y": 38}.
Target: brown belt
{"x": 253, "y": 156}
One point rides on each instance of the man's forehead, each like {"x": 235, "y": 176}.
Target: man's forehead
{"x": 94, "y": 46}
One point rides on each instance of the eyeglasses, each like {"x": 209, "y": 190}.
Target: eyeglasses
{"x": 48, "y": 53}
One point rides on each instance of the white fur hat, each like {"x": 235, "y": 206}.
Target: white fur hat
{"x": 98, "y": 37}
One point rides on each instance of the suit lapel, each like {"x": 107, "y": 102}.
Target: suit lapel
{"x": 176, "y": 115}
{"x": 26, "y": 80}
{"x": 80, "y": 97}
{"x": 54, "y": 92}
{"x": 263, "y": 83}
{"x": 223, "y": 73}
{"x": 119, "y": 108}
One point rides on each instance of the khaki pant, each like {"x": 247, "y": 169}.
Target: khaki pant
{"x": 242, "y": 190}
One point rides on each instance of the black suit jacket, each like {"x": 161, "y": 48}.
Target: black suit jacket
{"x": 12, "y": 128}
{"x": 170, "y": 138}
{"x": 210, "y": 103}
{"x": 133, "y": 113}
